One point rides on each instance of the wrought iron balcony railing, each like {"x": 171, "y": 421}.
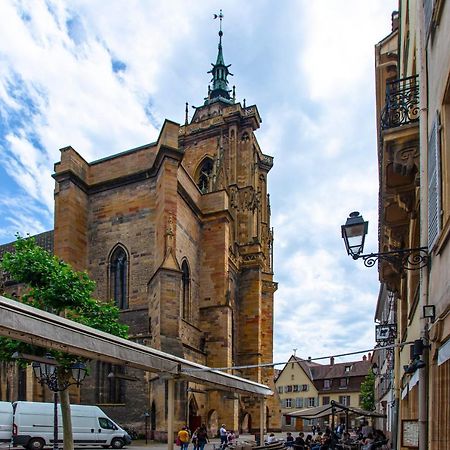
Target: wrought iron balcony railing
{"x": 402, "y": 103}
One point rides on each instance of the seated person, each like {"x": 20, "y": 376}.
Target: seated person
{"x": 289, "y": 440}
{"x": 271, "y": 439}
{"x": 299, "y": 443}
{"x": 308, "y": 441}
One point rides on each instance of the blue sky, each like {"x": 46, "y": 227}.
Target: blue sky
{"x": 102, "y": 77}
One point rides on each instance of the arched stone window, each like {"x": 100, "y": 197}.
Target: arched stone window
{"x": 118, "y": 277}
{"x": 186, "y": 291}
{"x": 204, "y": 175}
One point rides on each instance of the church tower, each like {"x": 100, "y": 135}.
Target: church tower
{"x": 222, "y": 155}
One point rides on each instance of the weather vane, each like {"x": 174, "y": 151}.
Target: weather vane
{"x": 219, "y": 16}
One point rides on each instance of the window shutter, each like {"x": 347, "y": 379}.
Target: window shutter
{"x": 428, "y": 6}
{"x": 434, "y": 185}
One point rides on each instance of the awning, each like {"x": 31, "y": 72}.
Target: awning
{"x": 332, "y": 407}
{"x": 37, "y": 327}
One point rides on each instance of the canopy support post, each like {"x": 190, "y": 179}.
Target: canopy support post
{"x": 262, "y": 417}
{"x": 170, "y": 412}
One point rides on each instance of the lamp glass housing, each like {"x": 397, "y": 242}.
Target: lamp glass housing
{"x": 48, "y": 369}
{"x": 37, "y": 370}
{"x": 354, "y": 233}
{"x": 429, "y": 312}
{"x": 78, "y": 372}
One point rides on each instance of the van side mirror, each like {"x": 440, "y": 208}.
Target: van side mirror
{"x": 114, "y": 427}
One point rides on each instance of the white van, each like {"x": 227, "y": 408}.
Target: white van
{"x": 33, "y": 426}
{"x": 6, "y": 421}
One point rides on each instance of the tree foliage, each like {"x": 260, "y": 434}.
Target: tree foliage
{"x": 54, "y": 286}
{"x": 368, "y": 392}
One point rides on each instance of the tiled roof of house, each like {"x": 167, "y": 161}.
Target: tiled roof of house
{"x": 353, "y": 372}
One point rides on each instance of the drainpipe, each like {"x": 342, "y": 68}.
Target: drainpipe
{"x": 423, "y": 130}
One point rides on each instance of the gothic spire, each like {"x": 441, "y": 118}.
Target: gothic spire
{"x": 220, "y": 72}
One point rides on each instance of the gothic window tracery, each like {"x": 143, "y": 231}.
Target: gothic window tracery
{"x": 186, "y": 291}
{"x": 204, "y": 178}
{"x": 118, "y": 277}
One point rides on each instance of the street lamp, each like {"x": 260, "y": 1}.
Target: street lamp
{"x": 48, "y": 372}
{"x": 354, "y": 234}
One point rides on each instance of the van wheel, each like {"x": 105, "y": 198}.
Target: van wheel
{"x": 117, "y": 443}
{"x": 35, "y": 444}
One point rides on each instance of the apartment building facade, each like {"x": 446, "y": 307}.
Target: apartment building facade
{"x": 412, "y": 67}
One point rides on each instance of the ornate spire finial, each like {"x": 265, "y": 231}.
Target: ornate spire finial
{"x": 219, "y": 16}
{"x": 220, "y": 73}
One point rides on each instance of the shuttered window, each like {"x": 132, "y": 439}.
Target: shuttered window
{"x": 428, "y": 6}
{"x": 434, "y": 185}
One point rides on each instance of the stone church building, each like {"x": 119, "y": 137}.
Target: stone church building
{"x": 177, "y": 233}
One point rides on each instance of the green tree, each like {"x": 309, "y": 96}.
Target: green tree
{"x": 368, "y": 392}
{"x": 53, "y": 285}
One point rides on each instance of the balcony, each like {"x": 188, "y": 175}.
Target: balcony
{"x": 402, "y": 103}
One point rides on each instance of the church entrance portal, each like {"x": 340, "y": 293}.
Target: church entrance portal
{"x": 194, "y": 419}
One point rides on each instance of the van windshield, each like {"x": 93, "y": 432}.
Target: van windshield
{"x": 106, "y": 424}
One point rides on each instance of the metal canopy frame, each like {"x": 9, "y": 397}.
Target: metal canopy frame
{"x": 43, "y": 329}
{"x": 332, "y": 408}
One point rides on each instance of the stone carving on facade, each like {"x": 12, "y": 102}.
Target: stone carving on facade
{"x": 245, "y": 137}
{"x": 170, "y": 233}
{"x": 406, "y": 200}
{"x": 245, "y": 199}
{"x": 249, "y": 111}
{"x": 267, "y": 160}
{"x": 269, "y": 286}
{"x": 405, "y": 160}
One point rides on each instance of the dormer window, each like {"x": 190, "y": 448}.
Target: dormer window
{"x": 348, "y": 368}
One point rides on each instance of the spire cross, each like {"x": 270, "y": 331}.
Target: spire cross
{"x": 220, "y": 17}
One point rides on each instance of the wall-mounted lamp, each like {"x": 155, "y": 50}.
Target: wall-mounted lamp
{"x": 429, "y": 312}
{"x": 354, "y": 234}
{"x": 416, "y": 351}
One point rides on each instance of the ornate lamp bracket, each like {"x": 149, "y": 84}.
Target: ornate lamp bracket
{"x": 404, "y": 259}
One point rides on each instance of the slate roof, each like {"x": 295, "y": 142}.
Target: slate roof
{"x": 44, "y": 240}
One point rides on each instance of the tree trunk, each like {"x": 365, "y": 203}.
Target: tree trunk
{"x": 67, "y": 420}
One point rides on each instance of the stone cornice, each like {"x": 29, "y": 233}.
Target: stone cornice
{"x": 163, "y": 153}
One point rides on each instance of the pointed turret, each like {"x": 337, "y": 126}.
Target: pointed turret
{"x": 220, "y": 72}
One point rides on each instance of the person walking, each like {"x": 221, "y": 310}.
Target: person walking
{"x": 223, "y": 436}
{"x": 194, "y": 439}
{"x": 202, "y": 437}
{"x": 183, "y": 438}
